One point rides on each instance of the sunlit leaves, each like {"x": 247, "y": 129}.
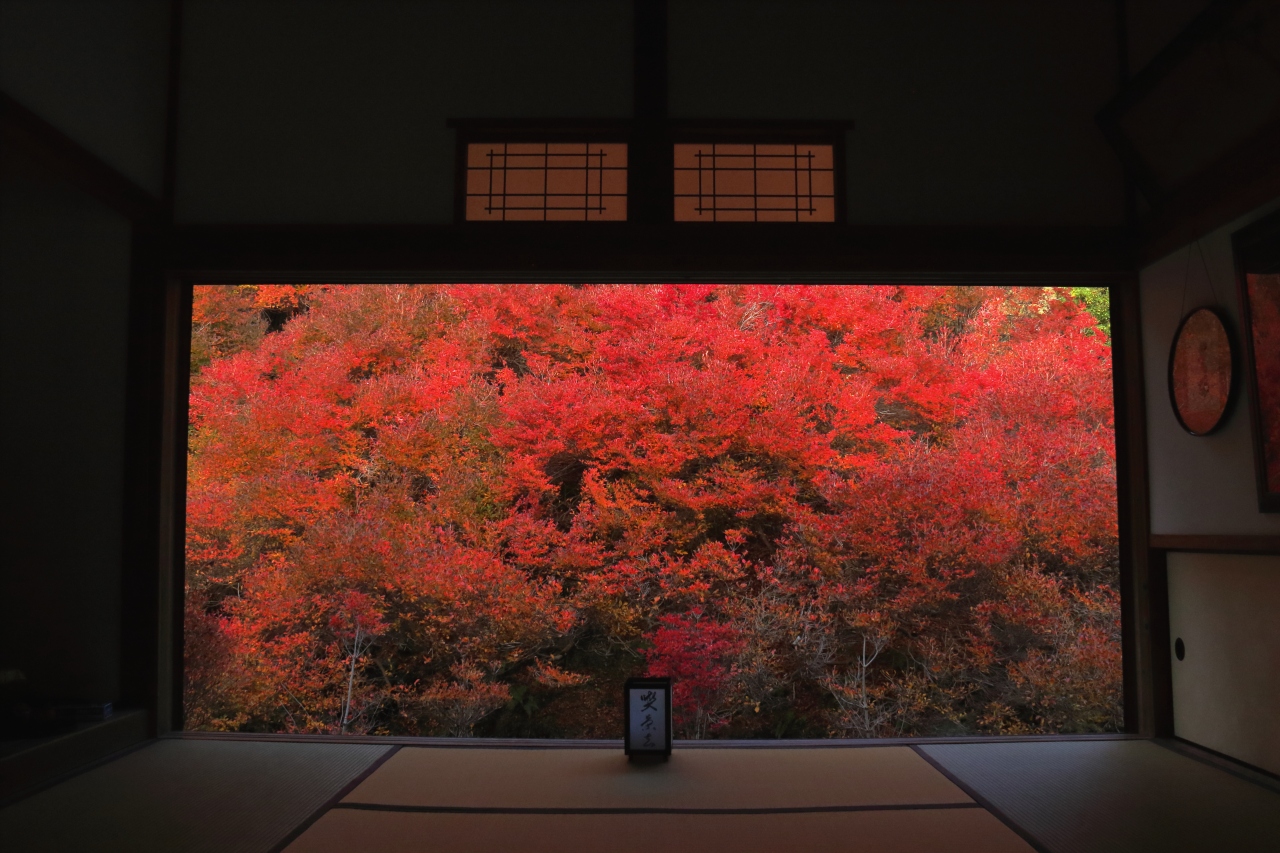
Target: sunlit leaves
{"x": 410, "y": 505}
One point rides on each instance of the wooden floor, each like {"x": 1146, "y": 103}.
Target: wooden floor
{"x": 1060, "y": 796}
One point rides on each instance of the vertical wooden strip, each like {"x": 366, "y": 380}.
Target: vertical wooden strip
{"x": 1140, "y": 699}
{"x": 650, "y": 179}
{"x": 171, "y": 553}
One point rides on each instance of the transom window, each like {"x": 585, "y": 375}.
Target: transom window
{"x": 546, "y": 181}
{"x": 733, "y": 182}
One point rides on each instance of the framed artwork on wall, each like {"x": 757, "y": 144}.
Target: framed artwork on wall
{"x": 1202, "y": 371}
{"x": 1257, "y": 250}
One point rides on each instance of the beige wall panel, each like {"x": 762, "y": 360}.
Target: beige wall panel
{"x": 1226, "y": 691}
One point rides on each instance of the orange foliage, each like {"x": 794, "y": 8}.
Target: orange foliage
{"x": 453, "y": 509}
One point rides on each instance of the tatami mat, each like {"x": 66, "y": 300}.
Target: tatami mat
{"x": 186, "y": 795}
{"x": 1090, "y": 796}
{"x": 691, "y": 779}
{"x": 1117, "y": 796}
{"x": 961, "y": 830}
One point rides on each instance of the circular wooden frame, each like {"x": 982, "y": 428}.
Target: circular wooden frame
{"x": 1212, "y": 335}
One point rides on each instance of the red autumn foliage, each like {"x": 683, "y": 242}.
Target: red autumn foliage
{"x": 454, "y": 509}
{"x": 699, "y": 656}
{"x": 1264, "y": 308}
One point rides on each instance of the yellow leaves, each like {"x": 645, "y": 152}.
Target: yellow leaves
{"x": 549, "y": 675}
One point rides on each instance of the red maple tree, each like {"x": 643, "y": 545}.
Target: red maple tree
{"x": 453, "y": 509}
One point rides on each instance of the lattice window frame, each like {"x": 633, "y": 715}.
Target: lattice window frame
{"x": 673, "y": 132}
{"x": 538, "y": 132}
{"x": 773, "y": 133}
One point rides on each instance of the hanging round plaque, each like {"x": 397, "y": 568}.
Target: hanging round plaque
{"x": 1202, "y": 375}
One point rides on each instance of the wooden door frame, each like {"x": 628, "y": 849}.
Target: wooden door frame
{"x": 1146, "y": 702}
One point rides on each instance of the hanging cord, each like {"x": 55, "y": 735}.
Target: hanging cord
{"x": 1186, "y": 278}
{"x": 1208, "y": 275}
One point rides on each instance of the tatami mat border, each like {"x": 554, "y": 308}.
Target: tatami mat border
{"x": 982, "y": 801}
{"x": 973, "y": 830}
{"x": 904, "y": 807}
{"x": 564, "y": 743}
{"x": 335, "y": 800}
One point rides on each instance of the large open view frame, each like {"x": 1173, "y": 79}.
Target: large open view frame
{"x": 169, "y": 255}
{"x": 1147, "y": 691}
{"x": 171, "y": 250}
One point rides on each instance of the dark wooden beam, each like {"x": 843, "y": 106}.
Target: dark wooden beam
{"x": 1161, "y": 642}
{"x": 1144, "y": 705}
{"x": 584, "y": 249}
{"x": 649, "y": 164}
{"x": 173, "y": 97}
{"x": 1122, "y": 80}
{"x": 143, "y": 436}
{"x": 151, "y": 598}
{"x": 171, "y": 503}
{"x": 1216, "y": 543}
{"x": 649, "y": 44}
{"x": 67, "y": 159}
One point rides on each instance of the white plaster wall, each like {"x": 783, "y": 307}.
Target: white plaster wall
{"x": 1226, "y": 691}
{"x": 1199, "y": 484}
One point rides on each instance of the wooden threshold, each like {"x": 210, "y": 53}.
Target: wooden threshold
{"x": 51, "y": 760}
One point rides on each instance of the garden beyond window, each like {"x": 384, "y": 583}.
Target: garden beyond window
{"x": 824, "y": 511}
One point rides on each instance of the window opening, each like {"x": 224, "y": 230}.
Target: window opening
{"x": 546, "y": 181}
{"x": 824, "y": 511}
{"x": 734, "y": 182}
